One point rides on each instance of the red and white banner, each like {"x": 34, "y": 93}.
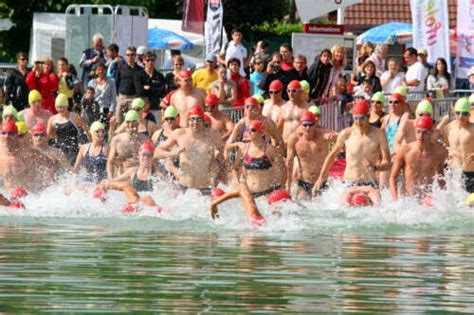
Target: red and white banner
{"x": 465, "y": 38}
{"x": 193, "y": 16}
{"x": 213, "y": 27}
{"x": 431, "y": 28}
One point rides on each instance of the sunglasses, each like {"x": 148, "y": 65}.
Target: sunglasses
{"x": 462, "y": 113}
{"x": 170, "y": 119}
{"x": 359, "y": 117}
{"x": 253, "y": 130}
{"x": 424, "y": 114}
{"x": 147, "y": 155}
{"x": 292, "y": 91}
{"x": 208, "y": 108}
{"x": 308, "y": 125}
{"x": 394, "y": 102}
{"x": 376, "y": 102}
{"x": 250, "y": 107}
{"x": 195, "y": 119}
{"x": 39, "y": 134}
{"x": 100, "y": 131}
{"x": 9, "y": 133}
{"x": 187, "y": 80}
{"x": 274, "y": 92}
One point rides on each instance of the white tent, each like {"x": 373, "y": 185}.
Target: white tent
{"x": 47, "y": 36}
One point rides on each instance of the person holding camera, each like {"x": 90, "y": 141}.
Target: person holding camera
{"x": 91, "y": 57}
{"x": 274, "y": 72}
{"x": 43, "y": 79}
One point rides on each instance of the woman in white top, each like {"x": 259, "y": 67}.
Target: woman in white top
{"x": 337, "y": 70}
{"x": 393, "y": 77}
{"x": 440, "y": 78}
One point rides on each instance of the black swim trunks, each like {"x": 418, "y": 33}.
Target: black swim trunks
{"x": 469, "y": 181}
{"x": 204, "y": 191}
{"x": 308, "y": 187}
{"x": 266, "y": 192}
{"x": 372, "y": 184}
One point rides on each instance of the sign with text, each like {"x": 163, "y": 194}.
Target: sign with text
{"x": 310, "y": 9}
{"x": 329, "y": 29}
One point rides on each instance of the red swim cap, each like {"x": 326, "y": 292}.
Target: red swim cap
{"x": 207, "y": 120}
{"x": 251, "y": 101}
{"x": 361, "y": 107}
{"x": 18, "y": 193}
{"x": 276, "y": 85}
{"x": 278, "y": 195}
{"x": 10, "y": 126}
{"x": 360, "y": 199}
{"x": 424, "y": 122}
{"x": 217, "y": 192}
{"x": 398, "y": 97}
{"x": 211, "y": 100}
{"x": 258, "y": 125}
{"x": 184, "y": 74}
{"x": 38, "y": 128}
{"x": 307, "y": 116}
{"x": 295, "y": 84}
{"x": 147, "y": 146}
{"x": 16, "y": 204}
{"x": 196, "y": 111}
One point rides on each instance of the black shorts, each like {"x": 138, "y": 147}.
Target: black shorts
{"x": 266, "y": 192}
{"x": 469, "y": 181}
{"x": 372, "y": 184}
{"x": 308, "y": 187}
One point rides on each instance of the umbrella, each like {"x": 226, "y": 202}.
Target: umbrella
{"x": 163, "y": 39}
{"x": 390, "y": 33}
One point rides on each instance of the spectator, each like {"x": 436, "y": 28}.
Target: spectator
{"x": 105, "y": 93}
{"x": 364, "y": 90}
{"x": 468, "y": 83}
{"x": 43, "y": 79}
{"x": 365, "y": 52}
{"x": 235, "y": 49}
{"x": 150, "y": 84}
{"x": 440, "y": 78}
{"x": 378, "y": 58}
{"x": 114, "y": 61}
{"x": 242, "y": 84}
{"x": 141, "y": 50}
{"x": 125, "y": 84}
{"x": 319, "y": 73}
{"x": 338, "y": 63}
{"x": 423, "y": 59}
{"x": 204, "y": 77}
{"x": 416, "y": 72}
{"x": 91, "y": 110}
{"x": 286, "y": 52}
{"x": 91, "y": 57}
{"x": 224, "y": 88}
{"x": 16, "y": 89}
{"x": 257, "y": 75}
{"x": 393, "y": 77}
{"x": 187, "y": 63}
{"x": 368, "y": 73}
{"x": 300, "y": 70}
{"x": 341, "y": 94}
{"x": 261, "y": 51}
{"x": 272, "y": 73}
{"x": 170, "y": 78}
{"x": 67, "y": 81}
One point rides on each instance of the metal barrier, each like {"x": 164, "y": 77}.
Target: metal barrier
{"x": 235, "y": 113}
{"x": 333, "y": 117}
{"x": 411, "y": 96}
{"x": 462, "y": 93}
{"x": 443, "y": 107}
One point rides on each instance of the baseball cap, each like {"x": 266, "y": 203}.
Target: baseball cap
{"x": 423, "y": 51}
{"x": 211, "y": 58}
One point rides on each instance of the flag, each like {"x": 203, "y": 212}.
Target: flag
{"x": 193, "y": 16}
{"x": 431, "y": 28}
{"x": 213, "y": 27}
{"x": 465, "y": 38}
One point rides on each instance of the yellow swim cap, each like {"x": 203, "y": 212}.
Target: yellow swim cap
{"x": 61, "y": 100}
{"x": 259, "y": 98}
{"x": 470, "y": 200}
{"x": 304, "y": 86}
{"x": 22, "y": 129}
{"x": 138, "y": 102}
{"x": 34, "y": 96}
{"x": 10, "y": 111}
{"x": 378, "y": 97}
{"x": 132, "y": 115}
{"x": 170, "y": 112}
{"x": 314, "y": 109}
{"x": 96, "y": 125}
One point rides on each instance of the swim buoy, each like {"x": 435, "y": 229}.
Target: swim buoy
{"x": 470, "y": 200}
{"x": 258, "y": 221}
{"x": 129, "y": 208}
{"x": 18, "y": 193}
{"x": 16, "y": 204}
{"x": 217, "y": 192}
{"x": 337, "y": 169}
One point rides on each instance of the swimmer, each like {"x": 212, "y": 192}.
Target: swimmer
{"x": 292, "y": 111}
{"x": 35, "y": 114}
{"x": 366, "y": 151}
{"x": 23, "y": 166}
{"x": 40, "y": 143}
{"x": 459, "y": 135}
{"x": 420, "y": 161}
{"x": 219, "y": 121}
{"x": 258, "y": 164}
{"x": 134, "y": 180}
{"x": 186, "y": 96}
{"x": 308, "y": 144}
{"x": 241, "y": 130}
{"x": 272, "y": 106}
{"x": 361, "y": 196}
{"x": 196, "y": 148}
{"x": 9, "y": 114}
{"x": 145, "y": 126}
{"x": 93, "y": 156}
{"x": 124, "y": 147}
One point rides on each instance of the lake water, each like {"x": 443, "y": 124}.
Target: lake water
{"x": 73, "y": 254}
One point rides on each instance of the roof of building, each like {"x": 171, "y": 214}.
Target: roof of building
{"x": 369, "y": 13}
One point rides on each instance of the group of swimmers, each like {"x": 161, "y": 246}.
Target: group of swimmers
{"x": 277, "y": 148}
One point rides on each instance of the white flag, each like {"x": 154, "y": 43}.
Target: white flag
{"x": 431, "y": 28}
{"x": 213, "y": 27}
{"x": 465, "y": 38}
